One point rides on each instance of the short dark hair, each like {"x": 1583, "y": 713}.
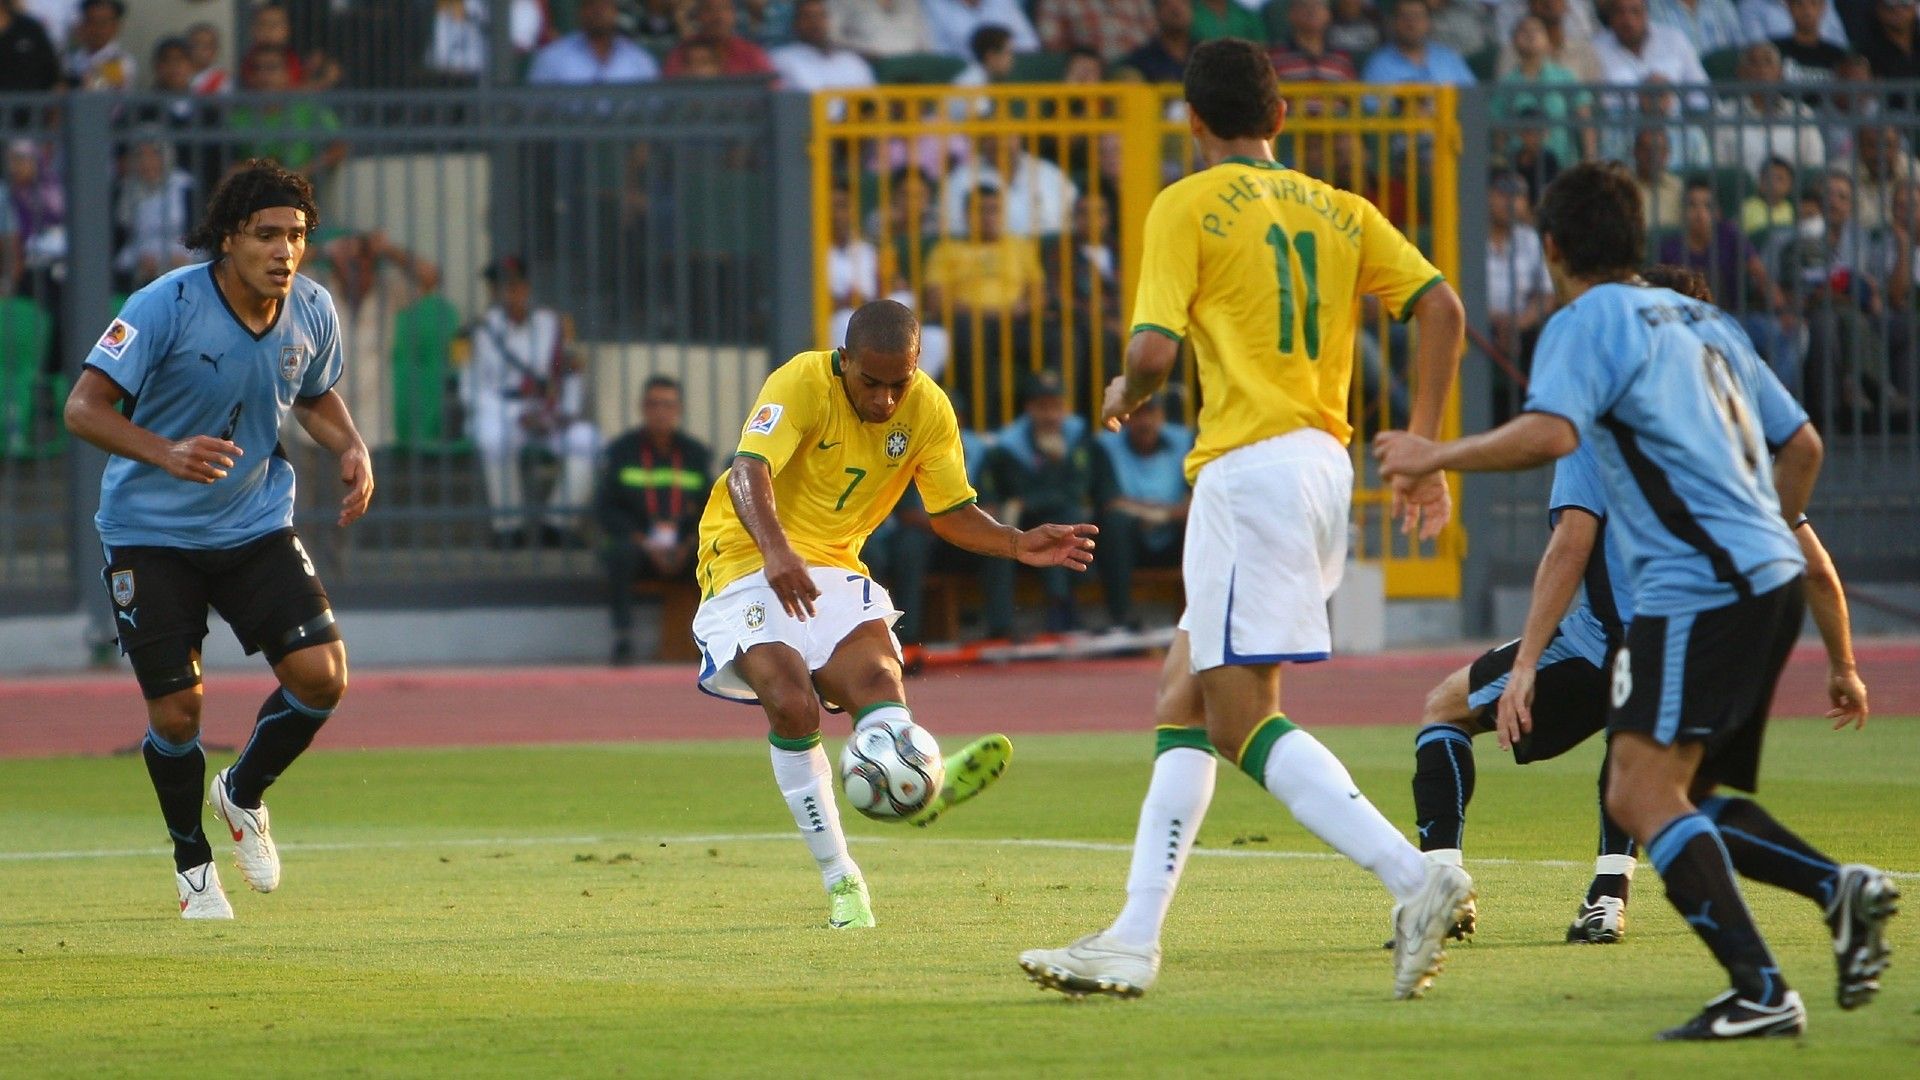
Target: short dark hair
{"x": 663, "y": 382}
{"x": 170, "y": 44}
{"x": 1686, "y": 282}
{"x": 886, "y": 326}
{"x": 119, "y": 9}
{"x": 1697, "y": 183}
{"x": 1593, "y": 213}
{"x": 1230, "y": 84}
{"x": 1775, "y": 161}
{"x": 1090, "y": 53}
{"x": 990, "y": 38}
{"x": 238, "y": 198}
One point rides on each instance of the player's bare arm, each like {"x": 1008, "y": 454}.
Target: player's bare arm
{"x": 977, "y": 531}
{"x": 1795, "y": 467}
{"x": 327, "y": 420}
{"x": 1151, "y": 357}
{"x": 93, "y": 413}
{"x": 750, "y": 486}
{"x": 1521, "y": 443}
{"x": 1425, "y": 505}
{"x": 1554, "y": 584}
{"x": 1827, "y": 601}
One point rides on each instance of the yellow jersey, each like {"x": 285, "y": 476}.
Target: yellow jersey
{"x": 987, "y": 275}
{"x": 835, "y": 476}
{"x": 1264, "y": 268}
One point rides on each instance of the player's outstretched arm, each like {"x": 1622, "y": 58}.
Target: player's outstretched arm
{"x": 750, "y": 485}
{"x": 1554, "y": 583}
{"x": 327, "y": 420}
{"x": 1424, "y": 506}
{"x": 93, "y": 413}
{"x": 1150, "y": 359}
{"x": 1827, "y": 600}
{"x": 976, "y": 530}
{"x": 1521, "y": 443}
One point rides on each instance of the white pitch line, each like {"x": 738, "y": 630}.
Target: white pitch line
{"x": 769, "y": 837}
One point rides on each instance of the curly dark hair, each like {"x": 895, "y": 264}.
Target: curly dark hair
{"x": 1230, "y": 84}
{"x": 1592, "y": 212}
{"x": 238, "y": 198}
{"x": 1686, "y": 282}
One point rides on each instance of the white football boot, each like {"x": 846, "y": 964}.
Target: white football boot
{"x": 201, "y": 896}
{"x": 1421, "y": 926}
{"x": 1096, "y": 964}
{"x": 253, "y": 850}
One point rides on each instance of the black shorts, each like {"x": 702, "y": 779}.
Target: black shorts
{"x": 1569, "y": 697}
{"x": 1708, "y": 677}
{"x": 266, "y": 589}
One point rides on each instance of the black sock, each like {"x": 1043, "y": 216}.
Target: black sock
{"x": 179, "y": 775}
{"x": 1765, "y": 850}
{"x": 1442, "y": 785}
{"x": 1614, "y": 840}
{"x": 283, "y": 731}
{"x": 1690, "y": 856}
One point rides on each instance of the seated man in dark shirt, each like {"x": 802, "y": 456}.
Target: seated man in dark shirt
{"x": 653, "y": 488}
{"x": 1042, "y": 468}
{"x": 1140, "y": 489}
{"x": 1163, "y": 59}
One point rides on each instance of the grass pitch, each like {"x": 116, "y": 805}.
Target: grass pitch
{"x": 644, "y": 909}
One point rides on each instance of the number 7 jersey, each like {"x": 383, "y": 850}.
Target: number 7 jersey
{"x": 835, "y": 476}
{"x": 1263, "y": 268}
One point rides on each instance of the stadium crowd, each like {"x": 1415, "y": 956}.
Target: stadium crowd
{"x": 1769, "y": 163}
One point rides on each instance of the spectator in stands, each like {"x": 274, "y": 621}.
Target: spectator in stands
{"x": 1849, "y": 103}
{"x": 1766, "y": 123}
{"x": 1465, "y": 26}
{"x": 765, "y": 22}
{"x": 880, "y": 28}
{"x": 1084, "y": 66}
{"x": 524, "y": 388}
{"x": 1569, "y": 40}
{"x": 1771, "y": 20}
{"x": 1226, "y": 18}
{"x": 1894, "y": 251}
{"x": 1083, "y": 291}
{"x": 1709, "y": 25}
{"x": 1771, "y": 207}
{"x": 1660, "y": 190}
{"x": 853, "y": 264}
{"x": 951, "y": 23}
{"x": 38, "y": 201}
{"x": 153, "y": 211}
{"x": 270, "y": 26}
{"x": 1306, "y": 57}
{"x": 1741, "y": 285}
{"x": 280, "y": 127}
{"x": 983, "y": 289}
{"x": 460, "y": 38}
{"x": 656, "y": 24}
{"x": 1111, "y": 28}
{"x": 1829, "y": 272}
{"x": 1038, "y": 195}
{"x": 97, "y": 60}
{"x": 1355, "y": 27}
{"x": 1534, "y": 65}
{"x": 1880, "y": 164}
{"x": 1534, "y": 159}
{"x": 1890, "y": 45}
{"x": 57, "y": 17}
{"x": 1807, "y": 57}
{"x": 1140, "y": 492}
{"x": 208, "y": 76}
{"x": 1163, "y": 59}
{"x": 1410, "y": 55}
{"x": 907, "y": 228}
{"x": 653, "y": 488}
{"x": 1634, "y": 51}
{"x": 1042, "y": 467}
{"x": 713, "y": 26}
{"x": 594, "y": 53}
{"x": 32, "y": 65}
{"x": 991, "y": 48}
{"x": 1519, "y": 292}
{"x": 813, "y": 62}
{"x": 372, "y": 280}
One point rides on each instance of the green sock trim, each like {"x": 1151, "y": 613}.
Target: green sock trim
{"x": 862, "y": 714}
{"x": 1253, "y": 755}
{"x": 807, "y": 743}
{"x": 1173, "y": 737}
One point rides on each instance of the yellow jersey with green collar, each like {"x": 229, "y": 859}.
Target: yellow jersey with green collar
{"x": 1263, "y": 268}
{"x": 835, "y": 476}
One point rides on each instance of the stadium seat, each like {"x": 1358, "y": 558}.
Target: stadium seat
{"x": 423, "y": 336}
{"x": 1039, "y": 67}
{"x": 1720, "y": 64}
{"x": 25, "y": 332}
{"x": 917, "y": 68}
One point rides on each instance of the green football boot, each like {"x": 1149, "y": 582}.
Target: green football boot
{"x": 848, "y": 906}
{"x": 978, "y": 764}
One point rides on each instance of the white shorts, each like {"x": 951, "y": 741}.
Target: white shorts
{"x": 1266, "y": 545}
{"x": 747, "y": 613}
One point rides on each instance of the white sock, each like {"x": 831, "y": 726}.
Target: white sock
{"x": 1170, "y": 818}
{"x": 1452, "y": 856}
{"x": 1614, "y": 864}
{"x": 1317, "y": 788}
{"x": 885, "y": 710}
{"x": 807, "y": 783}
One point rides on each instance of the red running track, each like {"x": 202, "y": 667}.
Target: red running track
{"x": 94, "y": 714}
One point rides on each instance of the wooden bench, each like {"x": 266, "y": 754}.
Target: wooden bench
{"x": 678, "y": 601}
{"x": 949, "y": 594}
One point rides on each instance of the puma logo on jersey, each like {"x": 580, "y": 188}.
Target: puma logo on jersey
{"x": 214, "y": 360}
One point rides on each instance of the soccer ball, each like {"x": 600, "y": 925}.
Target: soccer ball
{"x": 890, "y": 769}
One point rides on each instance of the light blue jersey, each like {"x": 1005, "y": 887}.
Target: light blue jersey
{"x": 1600, "y": 620}
{"x": 1680, "y": 413}
{"x": 188, "y": 366}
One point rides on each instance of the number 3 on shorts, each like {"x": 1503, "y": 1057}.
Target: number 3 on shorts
{"x": 1622, "y": 678}
{"x": 306, "y": 561}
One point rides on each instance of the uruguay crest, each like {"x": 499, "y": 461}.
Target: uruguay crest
{"x": 290, "y": 358}
{"x": 123, "y": 588}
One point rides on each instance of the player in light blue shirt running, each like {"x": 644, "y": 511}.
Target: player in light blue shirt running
{"x": 188, "y": 389}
